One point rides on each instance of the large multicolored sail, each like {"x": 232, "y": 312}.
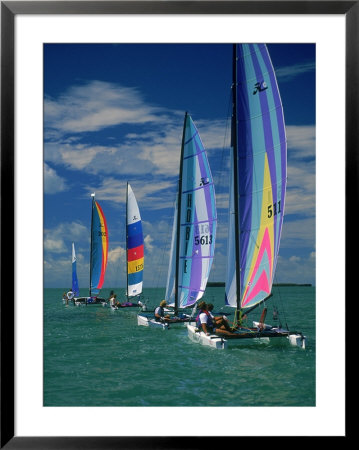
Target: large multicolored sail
{"x": 75, "y": 284}
{"x": 135, "y": 248}
{"x": 194, "y": 227}
{"x": 99, "y": 248}
{"x": 258, "y": 181}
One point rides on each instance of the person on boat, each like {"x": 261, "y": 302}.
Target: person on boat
{"x": 112, "y": 299}
{"x": 70, "y": 295}
{"x": 219, "y": 321}
{"x": 204, "y": 319}
{"x": 208, "y": 325}
{"x": 160, "y": 313}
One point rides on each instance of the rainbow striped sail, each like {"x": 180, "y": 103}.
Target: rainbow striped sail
{"x": 135, "y": 248}
{"x": 75, "y": 284}
{"x": 99, "y": 248}
{"x": 258, "y": 182}
{"x": 194, "y": 228}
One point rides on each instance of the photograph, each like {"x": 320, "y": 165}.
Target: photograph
{"x": 179, "y": 224}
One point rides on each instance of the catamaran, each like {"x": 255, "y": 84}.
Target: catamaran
{"x": 193, "y": 232}
{"x": 134, "y": 253}
{"x": 98, "y": 256}
{"x": 75, "y": 291}
{"x": 257, "y": 196}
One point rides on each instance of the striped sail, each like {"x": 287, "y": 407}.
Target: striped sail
{"x": 99, "y": 248}
{"x": 194, "y": 229}
{"x": 135, "y": 248}
{"x": 261, "y": 155}
{"x": 75, "y": 283}
{"x": 171, "y": 275}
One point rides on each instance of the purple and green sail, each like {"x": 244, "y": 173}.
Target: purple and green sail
{"x": 260, "y": 150}
{"x": 195, "y": 219}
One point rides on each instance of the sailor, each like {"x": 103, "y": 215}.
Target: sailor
{"x": 206, "y": 323}
{"x": 204, "y": 320}
{"x": 69, "y": 296}
{"x": 221, "y": 322}
{"x": 160, "y": 313}
{"x": 112, "y": 300}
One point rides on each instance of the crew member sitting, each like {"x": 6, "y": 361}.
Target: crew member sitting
{"x": 220, "y": 322}
{"x": 160, "y": 313}
{"x": 204, "y": 320}
{"x": 206, "y": 323}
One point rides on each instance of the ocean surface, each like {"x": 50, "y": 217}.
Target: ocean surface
{"x": 94, "y": 356}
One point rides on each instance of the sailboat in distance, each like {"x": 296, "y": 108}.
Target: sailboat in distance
{"x": 257, "y": 195}
{"x": 74, "y": 292}
{"x": 75, "y": 284}
{"x": 98, "y": 256}
{"x": 134, "y": 246}
{"x": 134, "y": 253}
{"x": 194, "y": 230}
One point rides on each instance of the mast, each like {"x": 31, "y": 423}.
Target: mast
{"x": 127, "y": 241}
{"x": 235, "y": 180}
{"x": 92, "y": 210}
{"x": 179, "y": 200}
{"x": 72, "y": 263}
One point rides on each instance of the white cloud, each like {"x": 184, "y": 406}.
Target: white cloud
{"x": 58, "y": 239}
{"x": 53, "y": 183}
{"x": 295, "y": 270}
{"x": 95, "y": 105}
{"x": 148, "y": 243}
{"x": 287, "y": 73}
{"x": 155, "y": 196}
{"x": 116, "y": 255}
{"x": 301, "y": 141}
{"x": 54, "y": 245}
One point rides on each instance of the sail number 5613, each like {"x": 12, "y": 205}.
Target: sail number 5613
{"x": 203, "y": 240}
{"x": 274, "y": 209}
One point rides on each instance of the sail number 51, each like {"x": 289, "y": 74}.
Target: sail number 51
{"x": 274, "y": 209}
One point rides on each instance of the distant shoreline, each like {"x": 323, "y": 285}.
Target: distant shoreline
{"x": 221, "y": 284}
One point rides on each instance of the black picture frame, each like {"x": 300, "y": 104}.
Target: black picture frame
{"x": 9, "y": 9}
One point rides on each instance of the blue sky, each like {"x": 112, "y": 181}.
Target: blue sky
{"x": 114, "y": 113}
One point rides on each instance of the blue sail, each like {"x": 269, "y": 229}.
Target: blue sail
{"x": 75, "y": 283}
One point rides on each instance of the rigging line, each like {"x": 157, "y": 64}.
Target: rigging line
{"x": 225, "y": 137}
{"x": 224, "y": 150}
{"x": 281, "y": 302}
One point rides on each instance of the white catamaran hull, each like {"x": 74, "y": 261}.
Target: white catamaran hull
{"x": 200, "y": 337}
{"x": 151, "y": 322}
{"x": 295, "y": 339}
{"x": 219, "y": 342}
{"x": 87, "y": 301}
{"x": 129, "y": 308}
{"x": 298, "y": 340}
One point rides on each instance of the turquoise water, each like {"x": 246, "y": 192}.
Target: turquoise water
{"x": 97, "y": 357}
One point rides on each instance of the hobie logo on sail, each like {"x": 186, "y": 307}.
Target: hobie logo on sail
{"x": 259, "y": 87}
